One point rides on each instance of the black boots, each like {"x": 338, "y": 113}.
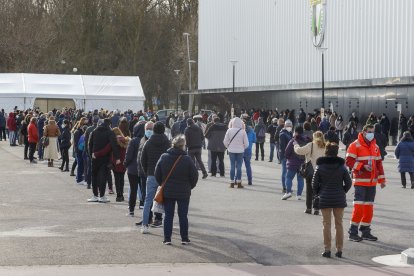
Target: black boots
{"x": 326, "y": 254}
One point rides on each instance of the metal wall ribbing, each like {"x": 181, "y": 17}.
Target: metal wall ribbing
{"x": 271, "y": 40}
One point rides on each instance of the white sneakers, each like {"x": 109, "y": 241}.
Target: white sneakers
{"x": 98, "y": 199}
{"x": 103, "y": 199}
{"x": 299, "y": 197}
{"x": 82, "y": 183}
{"x": 145, "y": 229}
{"x": 93, "y": 199}
{"x": 286, "y": 196}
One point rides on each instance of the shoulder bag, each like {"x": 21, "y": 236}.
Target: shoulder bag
{"x": 159, "y": 196}
{"x": 306, "y": 169}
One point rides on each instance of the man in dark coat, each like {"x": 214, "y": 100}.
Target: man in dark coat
{"x": 332, "y": 136}
{"x": 101, "y": 138}
{"x": 194, "y": 138}
{"x": 385, "y": 125}
{"x": 284, "y": 137}
{"x": 88, "y": 132}
{"x": 156, "y": 145}
{"x": 271, "y": 129}
{"x": 215, "y": 135}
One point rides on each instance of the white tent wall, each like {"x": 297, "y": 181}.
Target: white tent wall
{"x": 88, "y": 92}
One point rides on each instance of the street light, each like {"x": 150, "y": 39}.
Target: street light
{"x": 322, "y": 51}
{"x": 234, "y": 82}
{"x": 190, "y": 97}
{"x": 178, "y": 88}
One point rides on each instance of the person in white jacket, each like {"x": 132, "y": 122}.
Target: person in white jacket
{"x": 236, "y": 142}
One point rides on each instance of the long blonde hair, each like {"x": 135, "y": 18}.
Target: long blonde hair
{"x": 319, "y": 139}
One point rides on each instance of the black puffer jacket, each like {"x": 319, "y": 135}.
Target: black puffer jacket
{"x": 152, "y": 151}
{"x": 184, "y": 177}
{"x": 65, "y": 139}
{"x": 99, "y": 139}
{"x": 331, "y": 181}
{"x": 215, "y": 135}
{"x": 194, "y": 137}
{"x": 130, "y": 161}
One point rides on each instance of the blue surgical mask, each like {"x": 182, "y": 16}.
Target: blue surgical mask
{"x": 369, "y": 136}
{"x": 148, "y": 133}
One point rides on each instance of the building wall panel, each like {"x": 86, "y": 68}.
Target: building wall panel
{"x": 271, "y": 41}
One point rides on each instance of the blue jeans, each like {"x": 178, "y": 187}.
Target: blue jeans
{"x": 152, "y": 186}
{"x": 289, "y": 181}
{"x": 236, "y": 161}
{"x": 247, "y": 163}
{"x": 88, "y": 170}
{"x": 40, "y": 150}
{"x": 284, "y": 170}
{"x": 272, "y": 149}
{"x": 79, "y": 172}
{"x": 169, "y": 206}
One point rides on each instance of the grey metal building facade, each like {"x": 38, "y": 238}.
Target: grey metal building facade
{"x": 369, "y": 61}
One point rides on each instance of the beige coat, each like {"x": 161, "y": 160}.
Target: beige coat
{"x": 306, "y": 150}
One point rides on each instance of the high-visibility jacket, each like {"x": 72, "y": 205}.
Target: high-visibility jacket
{"x": 361, "y": 153}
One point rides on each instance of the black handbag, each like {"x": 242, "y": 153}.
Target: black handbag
{"x": 306, "y": 169}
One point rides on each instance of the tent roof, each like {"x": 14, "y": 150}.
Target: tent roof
{"x": 70, "y": 86}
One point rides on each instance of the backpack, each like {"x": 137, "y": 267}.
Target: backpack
{"x": 81, "y": 143}
{"x": 262, "y": 133}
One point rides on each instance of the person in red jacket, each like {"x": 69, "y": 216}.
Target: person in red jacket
{"x": 12, "y": 127}
{"x": 33, "y": 138}
{"x": 364, "y": 158}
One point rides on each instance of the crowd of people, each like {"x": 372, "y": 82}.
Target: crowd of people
{"x": 106, "y": 145}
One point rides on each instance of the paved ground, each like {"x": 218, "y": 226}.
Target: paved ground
{"x": 45, "y": 220}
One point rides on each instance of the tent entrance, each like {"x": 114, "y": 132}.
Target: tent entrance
{"x": 46, "y": 105}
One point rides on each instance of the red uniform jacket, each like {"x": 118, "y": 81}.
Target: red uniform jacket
{"x": 361, "y": 153}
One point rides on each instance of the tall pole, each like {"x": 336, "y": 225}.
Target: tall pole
{"x": 178, "y": 89}
{"x": 234, "y": 84}
{"x": 190, "y": 97}
{"x": 323, "y": 81}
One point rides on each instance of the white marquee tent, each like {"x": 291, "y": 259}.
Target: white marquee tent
{"x": 87, "y": 92}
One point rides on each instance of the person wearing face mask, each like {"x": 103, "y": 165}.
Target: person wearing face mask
{"x": 284, "y": 137}
{"x": 364, "y": 158}
{"x": 65, "y": 145}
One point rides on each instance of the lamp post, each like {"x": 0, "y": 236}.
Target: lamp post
{"x": 178, "y": 88}
{"x": 233, "y": 62}
{"x": 322, "y": 51}
{"x": 190, "y": 97}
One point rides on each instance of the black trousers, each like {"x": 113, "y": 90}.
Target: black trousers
{"x": 32, "y": 150}
{"x": 109, "y": 179}
{"x": 195, "y": 154}
{"x": 119, "y": 183}
{"x": 65, "y": 158}
{"x": 2, "y": 133}
{"x": 133, "y": 189}
{"x": 310, "y": 200}
{"x": 74, "y": 164}
{"x": 214, "y": 156}
{"x": 26, "y": 146}
{"x": 261, "y": 145}
{"x": 404, "y": 180}
{"x": 99, "y": 176}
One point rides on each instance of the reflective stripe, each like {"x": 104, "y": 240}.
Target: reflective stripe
{"x": 355, "y": 223}
{"x": 365, "y": 224}
{"x": 351, "y": 155}
{"x": 366, "y": 180}
{"x": 378, "y": 158}
{"x": 363, "y": 202}
{"x": 362, "y": 158}
{"x": 381, "y": 176}
{"x": 355, "y": 165}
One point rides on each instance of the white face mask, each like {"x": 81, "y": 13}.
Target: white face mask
{"x": 369, "y": 136}
{"x": 289, "y": 129}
